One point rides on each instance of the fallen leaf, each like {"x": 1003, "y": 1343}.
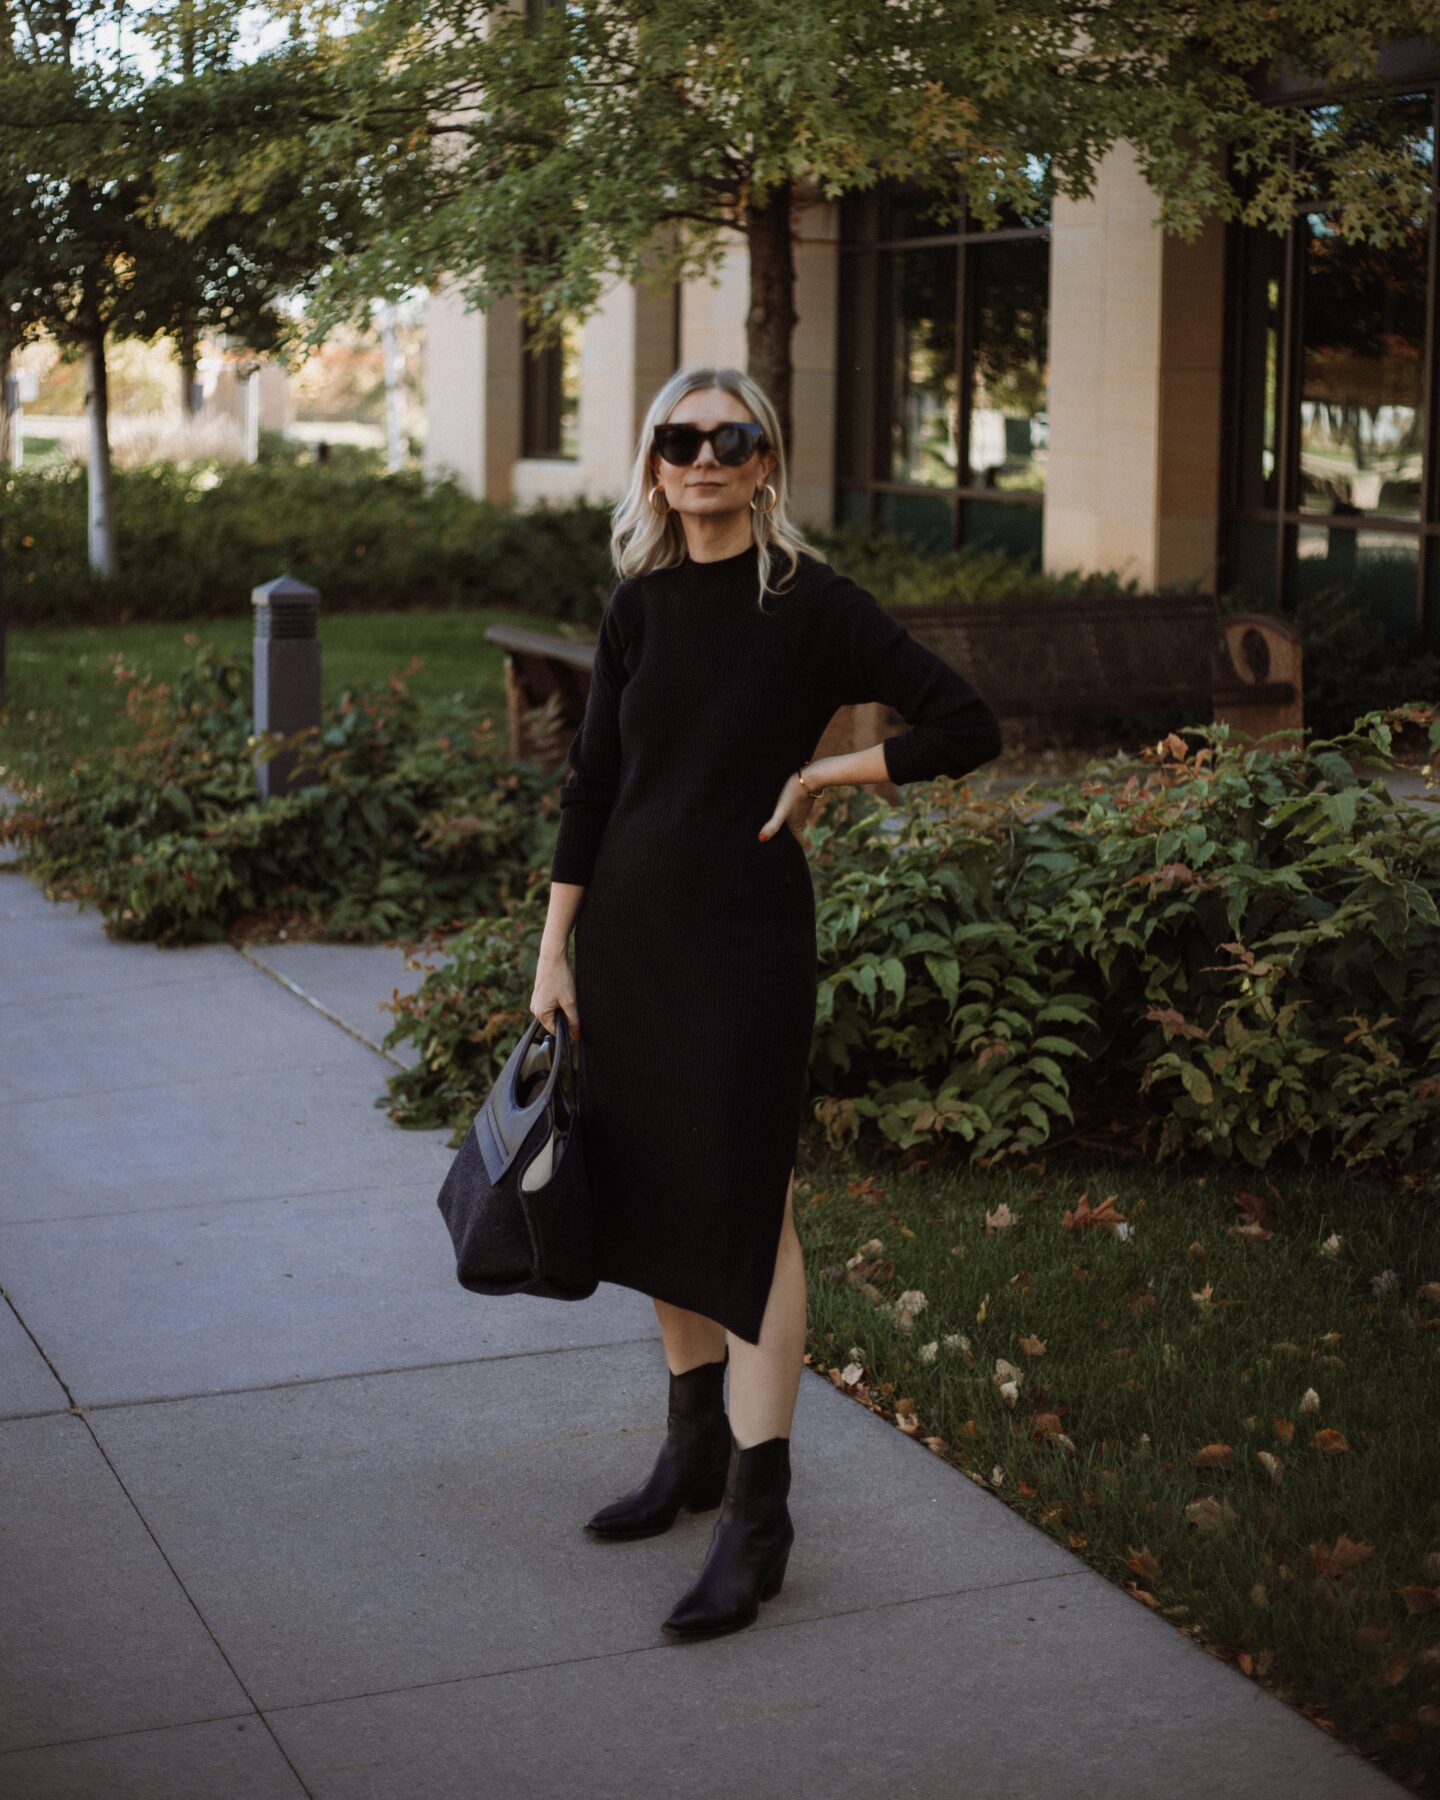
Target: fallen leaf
{"x": 1143, "y": 1562}
{"x": 997, "y": 1476}
{"x": 1330, "y": 1441}
{"x": 1331, "y": 1246}
{"x": 1001, "y": 1219}
{"x": 1259, "y": 1595}
{"x": 1009, "y": 1392}
{"x": 1046, "y": 1424}
{"x": 1214, "y": 1456}
{"x": 1272, "y": 1465}
{"x": 850, "y": 1374}
{"x": 1196, "y": 1252}
{"x": 1309, "y": 1402}
{"x": 1340, "y": 1559}
{"x": 1395, "y": 1671}
{"x": 1419, "y": 1599}
{"x": 981, "y": 1310}
{"x": 1253, "y": 1207}
{"x": 1006, "y": 1371}
{"x": 1032, "y": 1346}
{"x": 1084, "y": 1215}
{"x": 1252, "y": 1231}
{"x": 1284, "y": 1430}
{"x": 1203, "y": 1297}
{"x": 1210, "y": 1514}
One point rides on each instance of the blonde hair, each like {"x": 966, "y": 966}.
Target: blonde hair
{"x": 642, "y": 539}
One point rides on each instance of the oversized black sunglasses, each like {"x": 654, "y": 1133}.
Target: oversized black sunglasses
{"x": 733, "y": 443}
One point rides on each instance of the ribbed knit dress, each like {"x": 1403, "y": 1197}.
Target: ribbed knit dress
{"x": 695, "y": 955}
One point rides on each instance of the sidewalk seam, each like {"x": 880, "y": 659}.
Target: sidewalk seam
{"x": 78, "y": 1412}
{"x": 277, "y": 1387}
{"x": 301, "y": 993}
{"x": 761, "y": 1626}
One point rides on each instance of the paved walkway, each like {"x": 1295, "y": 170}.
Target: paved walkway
{"x": 284, "y": 1511}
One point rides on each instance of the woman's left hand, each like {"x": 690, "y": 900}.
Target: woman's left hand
{"x": 793, "y": 808}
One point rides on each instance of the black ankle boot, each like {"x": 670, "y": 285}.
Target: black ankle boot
{"x": 749, "y": 1546}
{"x": 691, "y": 1468}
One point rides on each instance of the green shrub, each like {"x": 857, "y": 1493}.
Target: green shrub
{"x": 1233, "y": 951}
{"x": 412, "y": 823}
{"x": 193, "y": 542}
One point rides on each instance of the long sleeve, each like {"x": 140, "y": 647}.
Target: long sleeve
{"x": 594, "y": 757}
{"x": 952, "y": 729}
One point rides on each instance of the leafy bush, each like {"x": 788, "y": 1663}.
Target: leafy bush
{"x": 409, "y": 823}
{"x": 1238, "y": 952}
{"x": 193, "y": 542}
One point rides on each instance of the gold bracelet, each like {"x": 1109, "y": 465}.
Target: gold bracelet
{"x": 800, "y": 777}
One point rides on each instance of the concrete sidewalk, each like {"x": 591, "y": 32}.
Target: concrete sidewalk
{"x": 284, "y": 1511}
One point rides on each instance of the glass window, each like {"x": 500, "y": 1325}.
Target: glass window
{"x": 1362, "y": 365}
{"x": 943, "y": 364}
{"x": 550, "y": 395}
{"x": 925, "y": 401}
{"x": 1010, "y": 319}
{"x": 1330, "y": 373}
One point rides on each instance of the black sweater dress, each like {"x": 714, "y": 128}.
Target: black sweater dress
{"x": 695, "y": 956}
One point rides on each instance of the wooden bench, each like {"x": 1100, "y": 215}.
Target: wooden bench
{"x": 1059, "y": 661}
{"x": 1044, "y": 660}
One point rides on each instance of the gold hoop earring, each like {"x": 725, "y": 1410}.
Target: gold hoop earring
{"x": 764, "y": 511}
{"x": 658, "y": 489}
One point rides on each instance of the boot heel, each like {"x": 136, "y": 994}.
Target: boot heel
{"x": 706, "y": 1495}
{"x": 772, "y": 1585}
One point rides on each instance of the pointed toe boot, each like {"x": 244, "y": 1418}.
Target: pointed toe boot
{"x": 692, "y": 1466}
{"x": 749, "y": 1546}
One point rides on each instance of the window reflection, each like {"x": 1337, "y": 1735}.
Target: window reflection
{"x": 1007, "y": 405}
{"x": 1362, "y": 408}
{"x": 1329, "y": 393}
{"x": 924, "y": 416}
{"x": 943, "y": 364}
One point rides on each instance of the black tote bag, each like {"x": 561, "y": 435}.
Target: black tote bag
{"x": 516, "y": 1199}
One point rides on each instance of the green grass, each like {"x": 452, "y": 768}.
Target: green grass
{"x": 1180, "y": 1336}
{"x": 63, "y": 699}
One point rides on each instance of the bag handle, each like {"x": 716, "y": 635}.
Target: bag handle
{"x": 503, "y": 1123}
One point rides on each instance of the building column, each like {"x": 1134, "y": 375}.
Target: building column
{"x": 1136, "y": 344}
{"x": 472, "y": 391}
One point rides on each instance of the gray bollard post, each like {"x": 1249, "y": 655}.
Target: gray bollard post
{"x": 287, "y": 673}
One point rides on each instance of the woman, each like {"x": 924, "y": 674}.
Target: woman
{"x": 723, "y": 652}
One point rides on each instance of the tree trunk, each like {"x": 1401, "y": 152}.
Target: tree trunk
{"x": 97, "y": 483}
{"x": 188, "y": 354}
{"x": 394, "y": 392}
{"x": 772, "y": 318}
{"x": 6, "y": 454}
